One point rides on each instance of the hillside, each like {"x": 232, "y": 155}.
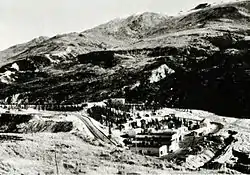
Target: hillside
{"x": 197, "y": 60}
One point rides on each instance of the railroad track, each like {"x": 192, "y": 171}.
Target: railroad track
{"x": 95, "y": 130}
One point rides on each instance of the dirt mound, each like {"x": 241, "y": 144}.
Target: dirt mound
{"x": 45, "y": 126}
{"x": 20, "y": 123}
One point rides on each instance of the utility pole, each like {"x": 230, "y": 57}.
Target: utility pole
{"x": 57, "y": 171}
{"x": 108, "y": 106}
{"x": 110, "y": 132}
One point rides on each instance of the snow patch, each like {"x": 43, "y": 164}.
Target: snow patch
{"x": 6, "y": 77}
{"x": 15, "y": 66}
{"x": 247, "y": 38}
{"x": 50, "y": 59}
{"x": 160, "y": 73}
{"x": 63, "y": 54}
{"x": 244, "y": 13}
{"x": 123, "y": 56}
{"x": 135, "y": 85}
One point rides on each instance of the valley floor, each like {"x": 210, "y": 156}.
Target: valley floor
{"x": 79, "y": 152}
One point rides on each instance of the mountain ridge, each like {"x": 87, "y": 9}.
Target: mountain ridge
{"x": 206, "y": 50}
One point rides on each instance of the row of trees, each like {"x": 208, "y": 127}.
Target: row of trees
{"x": 108, "y": 117}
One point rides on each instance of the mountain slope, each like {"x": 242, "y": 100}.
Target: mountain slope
{"x": 17, "y": 49}
{"x": 196, "y": 60}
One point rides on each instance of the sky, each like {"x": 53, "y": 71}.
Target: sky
{"x": 23, "y": 20}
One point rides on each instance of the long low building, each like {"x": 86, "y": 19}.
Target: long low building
{"x": 157, "y": 144}
{"x": 152, "y": 151}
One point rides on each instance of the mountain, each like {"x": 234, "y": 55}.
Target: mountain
{"x": 195, "y": 60}
{"x": 17, "y": 49}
